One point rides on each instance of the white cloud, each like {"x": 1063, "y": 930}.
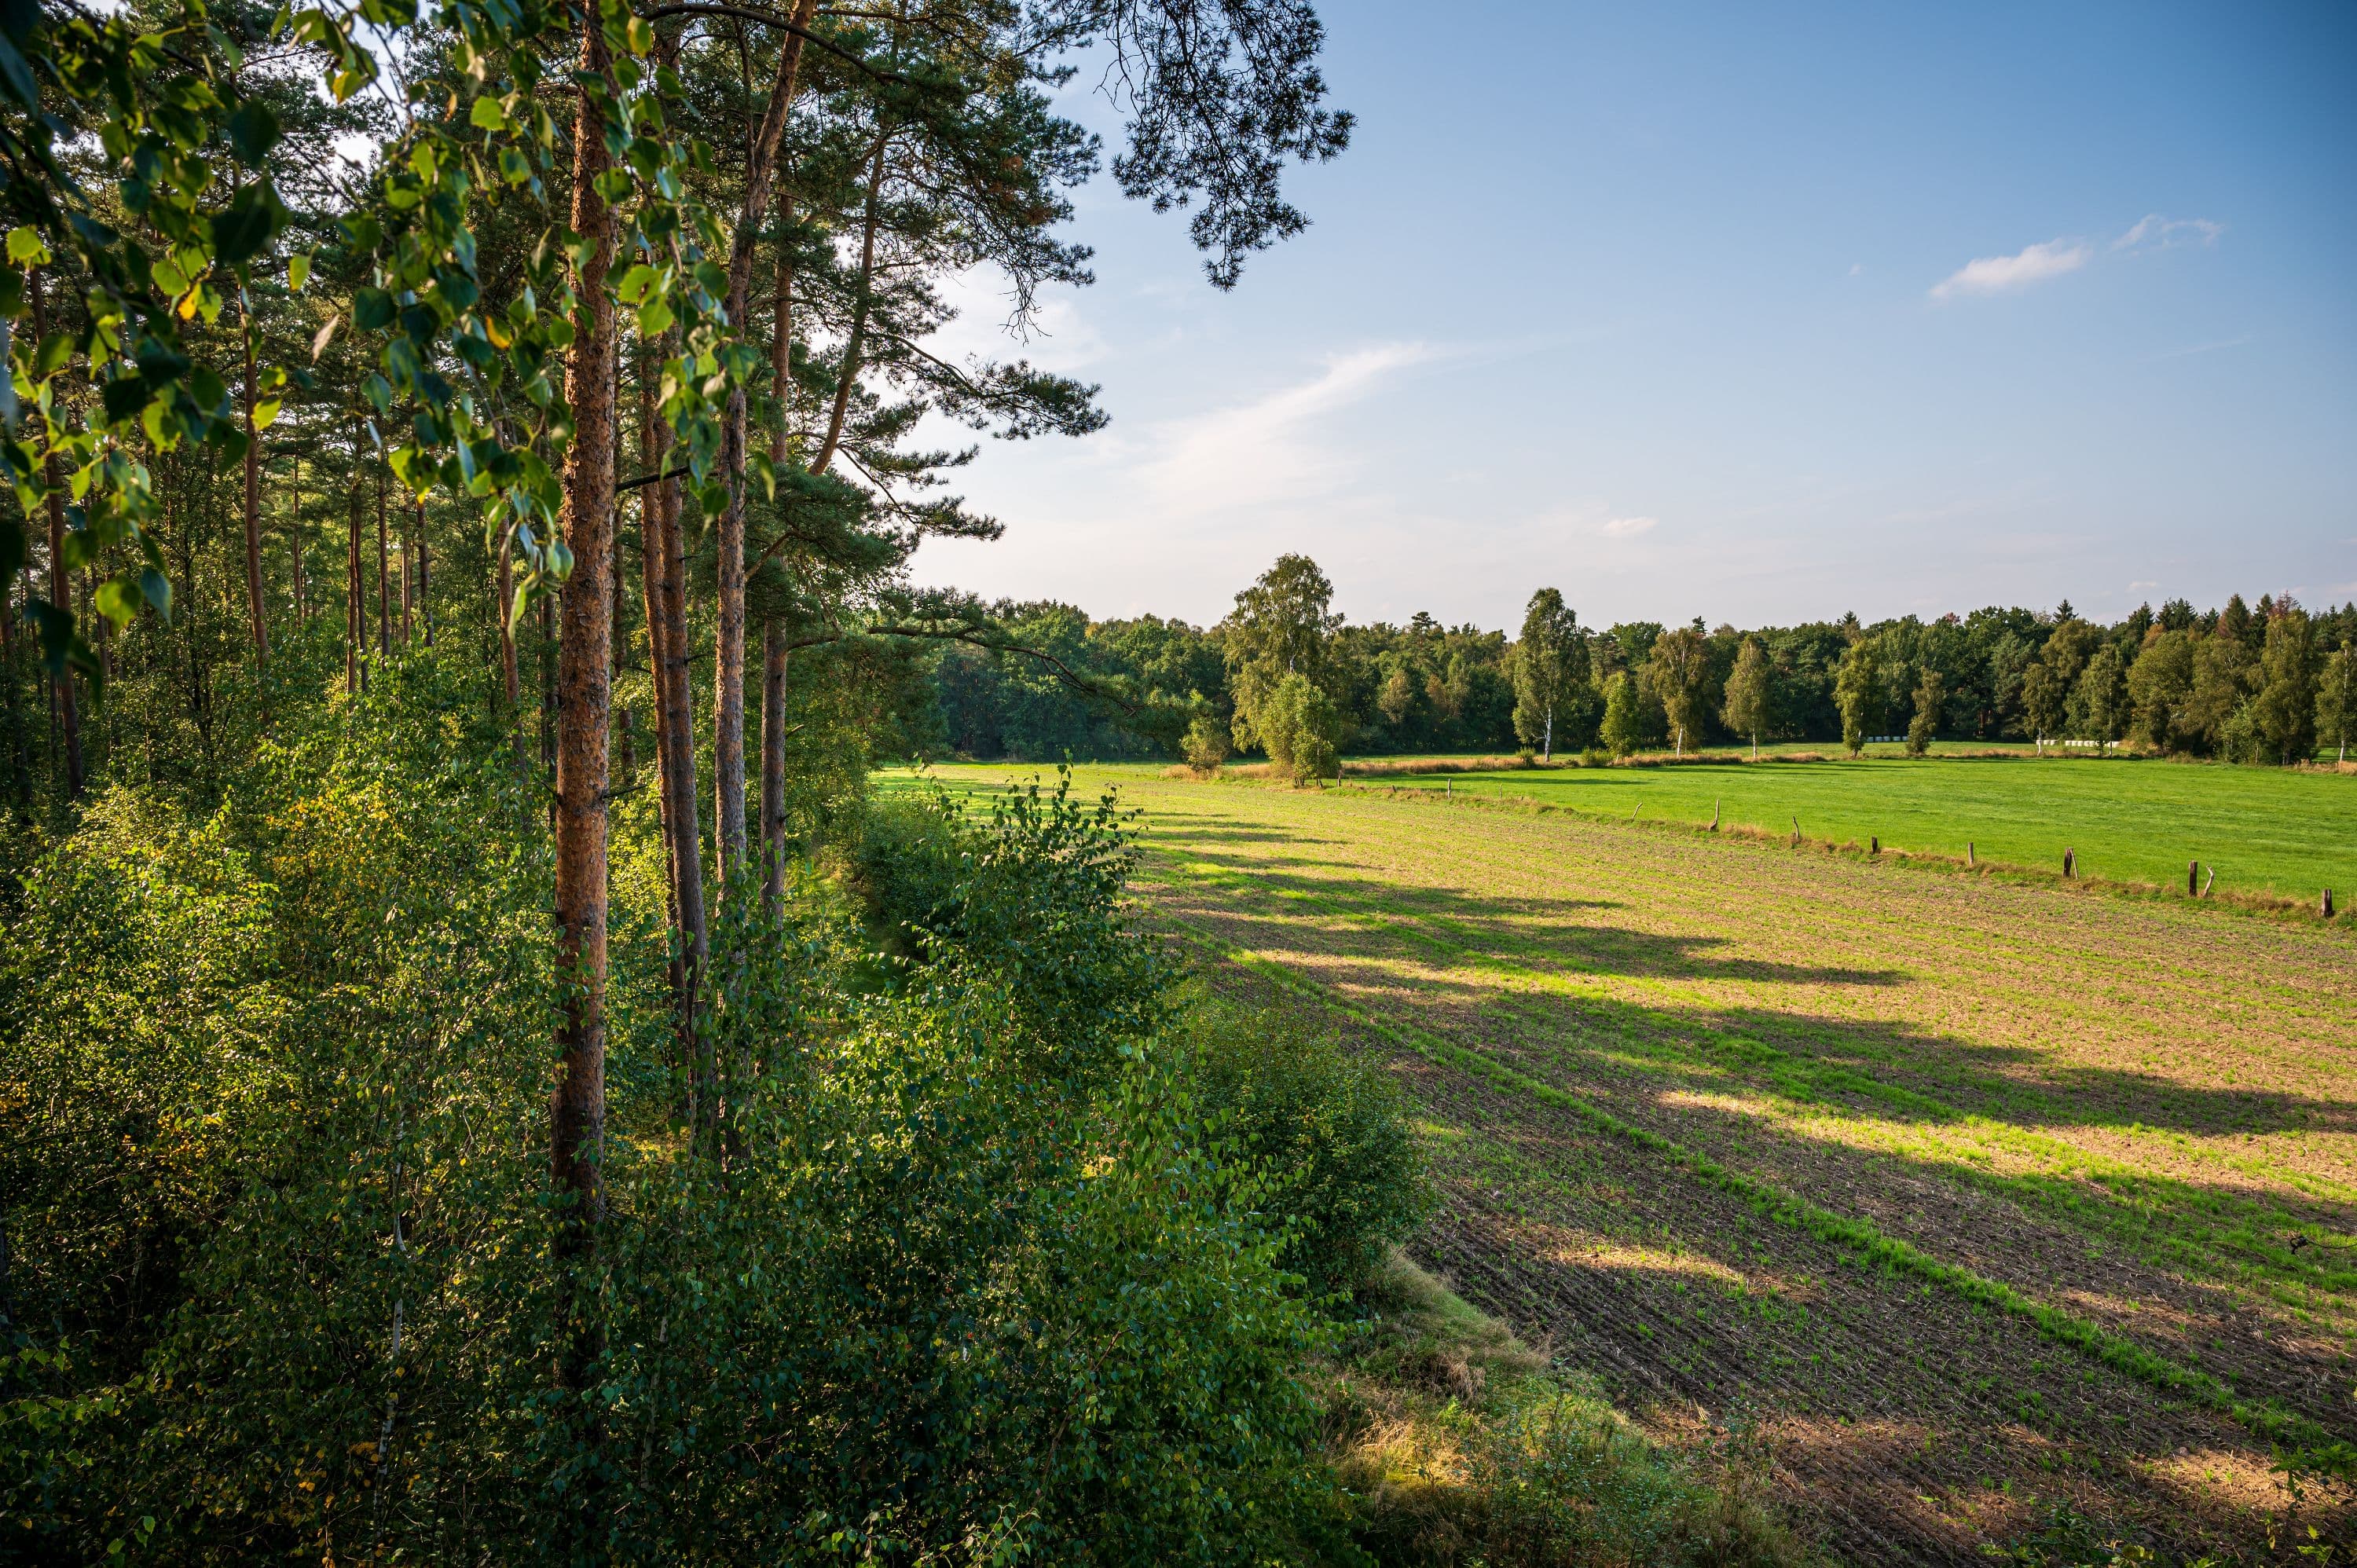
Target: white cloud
{"x": 2133, "y": 587}
{"x": 1266, "y": 450}
{"x": 2032, "y": 263}
{"x": 2154, "y": 233}
{"x": 1630, "y": 527}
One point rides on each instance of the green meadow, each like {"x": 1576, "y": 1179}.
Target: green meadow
{"x": 2266, "y": 830}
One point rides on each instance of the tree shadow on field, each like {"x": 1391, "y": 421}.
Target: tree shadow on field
{"x": 1897, "y": 1122}
{"x": 1167, "y": 831}
{"x": 1481, "y": 925}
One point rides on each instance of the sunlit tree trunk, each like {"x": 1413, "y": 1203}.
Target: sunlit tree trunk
{"x": 585, "y": 659}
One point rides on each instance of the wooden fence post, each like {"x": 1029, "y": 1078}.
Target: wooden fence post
{"x": 2070, "y": 864}
{"x": 1874, "y": 844}
{"x": 2192, "y": 874}
{"x": 2325, "y": 908}
{"x": 1970, "y": 859}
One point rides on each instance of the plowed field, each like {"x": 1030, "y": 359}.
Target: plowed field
{"x": 1988, "y": 1205}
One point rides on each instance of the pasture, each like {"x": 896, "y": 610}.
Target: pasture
{"x": 1998, "y": 1213}
{"x": 2266, "y": 830}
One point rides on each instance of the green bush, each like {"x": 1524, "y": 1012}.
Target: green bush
{"x": 961, "y": 1282}
{"x": 1328, "y": 1135}
{"x": 1301, "y": 730}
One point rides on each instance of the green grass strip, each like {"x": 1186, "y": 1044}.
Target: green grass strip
{"x": 2265, "y": 1418}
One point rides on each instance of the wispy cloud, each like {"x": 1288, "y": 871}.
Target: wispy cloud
{"x": 2197, "y": 349}
{"x": 1267, "y": 449}
{"x": 1630, "y": 527}
{"x": 2032, "y": 263}
{"x": 2154, "y": 233}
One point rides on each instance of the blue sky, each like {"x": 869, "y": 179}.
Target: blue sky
{"x": 1707, "y": 311}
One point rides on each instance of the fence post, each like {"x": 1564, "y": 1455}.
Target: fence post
{"x": 2069, "y": 864}
{"x": 1970, "y": 861}
{"x": 1874, "y": 844}
{"x": 2193, "y": 873}
{"x": 2325, "y": 908}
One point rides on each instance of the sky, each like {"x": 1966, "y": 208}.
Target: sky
{"x": 1704, "y": 310}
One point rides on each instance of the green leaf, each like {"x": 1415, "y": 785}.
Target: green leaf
{"x": 25, "y": 247}
{"x": 239, "y": 233}
{"x": 264, "y": 412}
{"x": 654, "y": 317}
{"x": 299, "y": 272}
{"x": 372, "y": 309}
{"x": 18, "y": 78}
{"x": 634, "y": 284}
{"x": 118, "y": 600}
{"x": 487, "y": 114}
{"x": 51, "y": 356}
{"x": 253, "y": 130}
{"x": 158, "y": 589}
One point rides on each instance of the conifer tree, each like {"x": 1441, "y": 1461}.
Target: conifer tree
{"x": 1624, "y": 716}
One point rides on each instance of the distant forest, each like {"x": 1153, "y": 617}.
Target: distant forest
{"x": 2174, "y": 678}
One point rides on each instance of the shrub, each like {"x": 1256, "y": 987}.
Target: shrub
{"x": 1328, "y": 1135}
{"x": 1207, "y": 743}
{"x": 1301, "y": 730}
{"x": 960, "y": 1280}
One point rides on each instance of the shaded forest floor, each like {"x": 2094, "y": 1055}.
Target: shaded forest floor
{"x": 1997, "y": 1215}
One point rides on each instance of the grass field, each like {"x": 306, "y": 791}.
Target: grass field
{"x": 1999, "y": 1213}
{"x": 2266, "y": 830}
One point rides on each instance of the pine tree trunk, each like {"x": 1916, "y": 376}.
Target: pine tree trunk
{"x": 384, "y": 577}
{"x": 408, "y": 570}
{"x": 260, "y": 629}
{"x": 773, "y": 638}
{"x": 60, "y": 584}
{"x": 728, "y": 671}
{"x": 511, "y": 678}
{"x": 585, "y": 655}
{"x": 662, "y": 565}
{"x": 295, "y": 547}
{"x": 774, "y": 767}
{"x": 425, "y": 580}
{"x": 355, "y": 596}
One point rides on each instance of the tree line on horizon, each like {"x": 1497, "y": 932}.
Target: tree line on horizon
{"x": 2265, "y": 682}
